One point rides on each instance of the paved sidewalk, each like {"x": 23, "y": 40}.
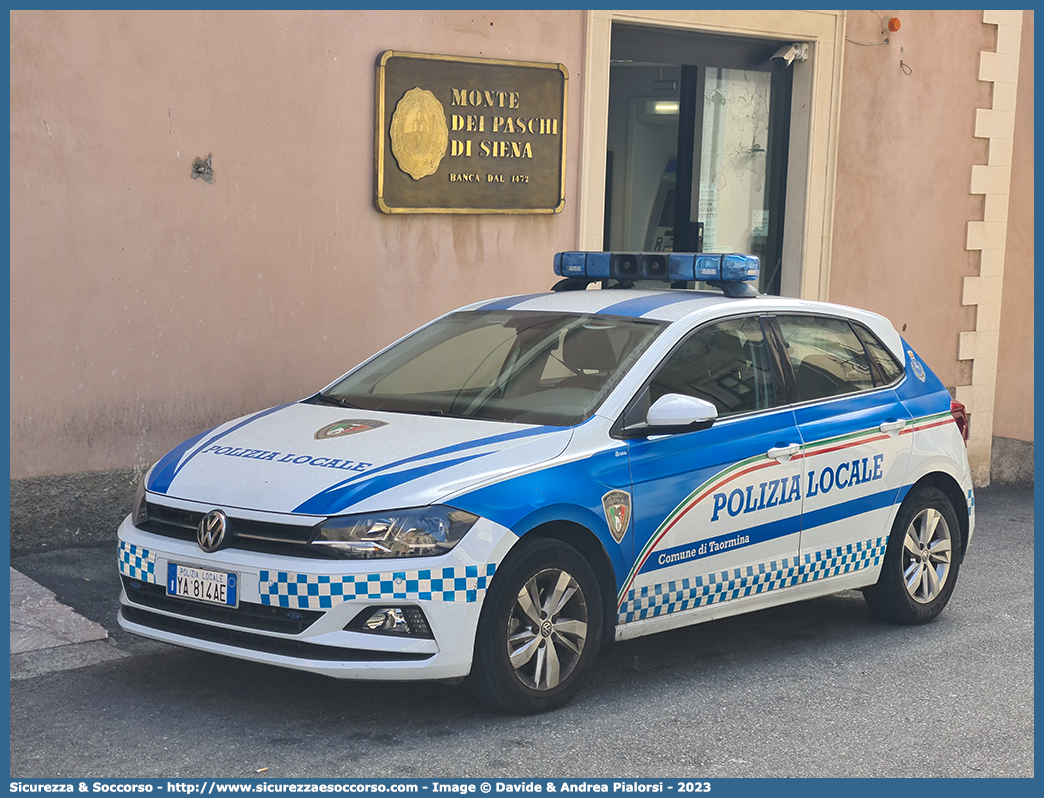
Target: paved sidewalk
{"x": 63, "y": 638}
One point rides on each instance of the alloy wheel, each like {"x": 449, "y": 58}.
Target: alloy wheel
{"x": 547, "y": 629}
{"x": 927, "y": 551}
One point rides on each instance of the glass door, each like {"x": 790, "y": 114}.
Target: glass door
{"x": 697, "y": 148}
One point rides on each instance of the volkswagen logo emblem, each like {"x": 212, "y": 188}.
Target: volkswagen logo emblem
{"x": 210, "y": 534}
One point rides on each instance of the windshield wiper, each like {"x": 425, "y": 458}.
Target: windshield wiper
{"x": 443, "y": 414}
{"x": 334, "y": 400}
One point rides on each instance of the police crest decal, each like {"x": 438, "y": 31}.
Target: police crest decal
{"x": 915, "y": 364}
{"x": 617, "y": 506}
{"x": 349, "y": 426}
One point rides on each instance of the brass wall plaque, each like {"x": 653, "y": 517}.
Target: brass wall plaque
{"x": 469, "y": 135}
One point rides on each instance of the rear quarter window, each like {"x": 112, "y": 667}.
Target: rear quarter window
{"x": 886, "y": 368}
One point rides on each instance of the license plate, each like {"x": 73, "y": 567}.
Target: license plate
{"x": 201, "y": 584}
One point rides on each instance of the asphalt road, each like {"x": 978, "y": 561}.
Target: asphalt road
{"x": 814, "y": 689}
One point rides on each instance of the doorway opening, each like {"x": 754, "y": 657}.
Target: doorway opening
{"x": 698, "y": 136}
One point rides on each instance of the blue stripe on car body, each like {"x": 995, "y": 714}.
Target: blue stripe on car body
{"x": 676, "y": 555}
{"x": 921, "y": 398}
{"x": 168, "y": 468}
{"x": 318, "y": 499}
{"x": 861, "y": 414}
{"x": 165, "y": 469}
{"x": 333, "y": 501}
{"x": 854, "y": 507}
{"x": 639, "y": 306}
{"x": 508, "y": 302}
{"x": 570, "y": 492}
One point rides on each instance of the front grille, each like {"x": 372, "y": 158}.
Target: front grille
{"x": 255, "y": 642}
{"x": 247, "y": 535}
{"x": 253, "y": 616}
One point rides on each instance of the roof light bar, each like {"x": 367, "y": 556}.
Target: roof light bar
{"x": 613, "y": 265}
{"x": 668, "y": 267}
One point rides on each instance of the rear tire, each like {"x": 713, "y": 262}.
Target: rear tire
{"x": 921, "y": 562}
{"x": 540, "y": 629}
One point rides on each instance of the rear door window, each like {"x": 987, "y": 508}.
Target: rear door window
{"x": 827, "y": 357}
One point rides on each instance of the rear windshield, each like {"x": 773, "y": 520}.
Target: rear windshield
{"x": 525, "y": 367}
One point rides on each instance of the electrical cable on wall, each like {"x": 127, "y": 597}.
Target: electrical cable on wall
{"x": 889, "y": 25}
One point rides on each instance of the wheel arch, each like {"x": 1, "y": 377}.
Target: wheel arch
{"x": 590, "y": 547}
{"x": 952, "y": 490}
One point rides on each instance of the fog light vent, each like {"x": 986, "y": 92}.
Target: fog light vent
{"x": 404, "y": 621}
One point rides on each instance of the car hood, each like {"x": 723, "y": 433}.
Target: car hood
{"x": 321, "y": 460}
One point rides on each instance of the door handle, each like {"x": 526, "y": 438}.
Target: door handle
{"x": 785, "y": 452}
{"x": 892, "y": 428}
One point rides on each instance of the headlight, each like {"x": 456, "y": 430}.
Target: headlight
{"x": 423, "y": 532}
{"x": 139, "y": 510}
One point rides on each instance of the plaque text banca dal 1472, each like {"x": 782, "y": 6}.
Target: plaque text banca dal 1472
{"x": 469, "y": 135}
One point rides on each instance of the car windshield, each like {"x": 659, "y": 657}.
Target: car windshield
{"x": 525, "y": 367}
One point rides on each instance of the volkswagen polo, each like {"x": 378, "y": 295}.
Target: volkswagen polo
{"x": 512, "y": 486}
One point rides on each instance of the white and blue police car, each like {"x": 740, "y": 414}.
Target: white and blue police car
{"x": 501, "y": 493}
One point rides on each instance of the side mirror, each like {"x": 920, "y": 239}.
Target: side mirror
{"x": 670, "y": 414}
{"x": 676, "y": 410}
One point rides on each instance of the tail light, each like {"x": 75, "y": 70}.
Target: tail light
{"x": 960, "y": 416}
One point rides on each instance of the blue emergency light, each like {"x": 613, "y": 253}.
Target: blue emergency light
{"x": 714, "y": 268}
{"x": 725, "y": 271}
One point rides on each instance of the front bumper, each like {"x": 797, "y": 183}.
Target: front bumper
{"x": 293, "y": 610}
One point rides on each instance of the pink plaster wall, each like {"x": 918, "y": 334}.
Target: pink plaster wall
{"x": 147, "y": 306}
{"x": 903, "y": 176}
{"x": 1013, "y": 411}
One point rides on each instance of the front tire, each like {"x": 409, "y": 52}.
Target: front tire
{"x": 540, "y": 629}
{"x": 921, "y": 562}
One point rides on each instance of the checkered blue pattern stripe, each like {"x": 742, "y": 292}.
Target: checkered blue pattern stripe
{"x": 714, "y": 588}
{"x": 322, "y": 591}
{"x": 137, "y": 563}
